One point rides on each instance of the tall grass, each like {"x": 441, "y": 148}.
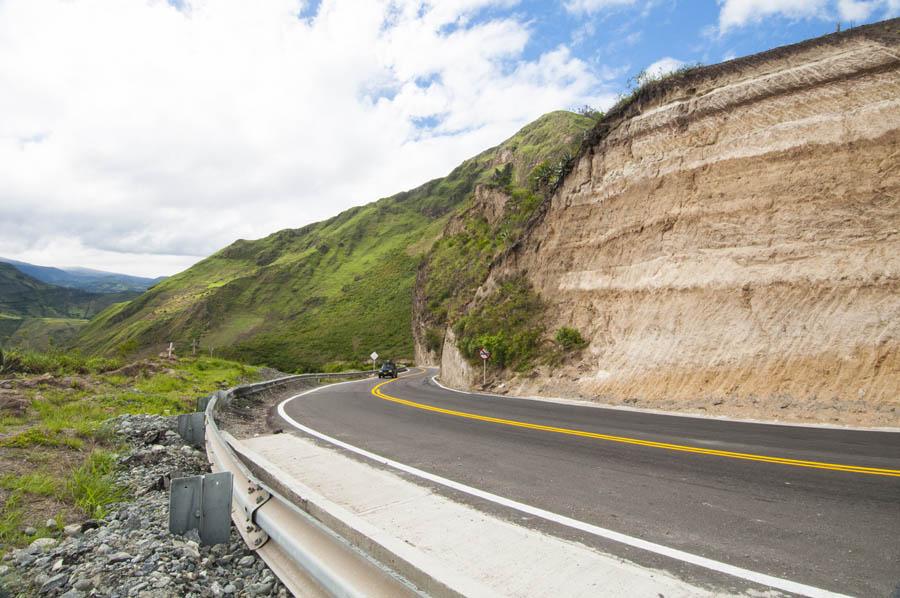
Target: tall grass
{"x": 38, "y": 483}
{"x": 92, "y": 487}
{"x": 56, "y": 362}
{"x": 11, "y": 520}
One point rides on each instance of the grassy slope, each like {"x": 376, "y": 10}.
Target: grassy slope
{"x": 56, "y": 457}
{"x": 332, "y": 291}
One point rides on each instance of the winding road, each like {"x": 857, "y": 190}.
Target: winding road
{"x": 705, "y": 499}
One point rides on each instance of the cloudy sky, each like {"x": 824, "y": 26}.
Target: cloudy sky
{"x": 141, "y": 135}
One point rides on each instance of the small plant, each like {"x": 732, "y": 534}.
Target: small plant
{"x": 539, "y": 177}
{"x": 570, "y": 339}
{"x": 645, "y": 80}
{"x": 92, "y": 487}
{"x": 127, "y": 347}
{"x": 591, "y": 112}
{"x": 502, "y": 177}
{"x": 10, "y": 520}
{"x": 548, "y": 175}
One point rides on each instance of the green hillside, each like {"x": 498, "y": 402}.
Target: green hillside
{"x": 330, "y": 292}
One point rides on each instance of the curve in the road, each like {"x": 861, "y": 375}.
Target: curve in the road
{"x": 666, "y": 551}
{"x": 635, "y": 441}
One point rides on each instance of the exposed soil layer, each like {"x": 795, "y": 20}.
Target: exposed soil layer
{"x": 731, "y": 242}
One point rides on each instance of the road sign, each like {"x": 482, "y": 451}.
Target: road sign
{"x": 374, "y": 356}
{"x": 485, "y": 354}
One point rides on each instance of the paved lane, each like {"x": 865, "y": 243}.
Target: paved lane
{"x": 836, "y": 530}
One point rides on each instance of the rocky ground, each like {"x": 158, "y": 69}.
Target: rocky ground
{"x": 130, "y": 552}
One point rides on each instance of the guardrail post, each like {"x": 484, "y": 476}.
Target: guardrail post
{"x": 192, "y": 428}
{"x": 202, "y": 503}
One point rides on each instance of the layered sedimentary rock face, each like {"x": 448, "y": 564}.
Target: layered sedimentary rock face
{"x": 732, "y": 238}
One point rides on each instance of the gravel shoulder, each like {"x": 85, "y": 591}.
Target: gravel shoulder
{"x": 130, "y": 552}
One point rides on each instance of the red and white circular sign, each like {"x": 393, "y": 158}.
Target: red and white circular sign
{"x": 484, "y": 353}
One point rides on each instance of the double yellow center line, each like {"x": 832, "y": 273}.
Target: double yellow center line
{"x": 636, "y": 441}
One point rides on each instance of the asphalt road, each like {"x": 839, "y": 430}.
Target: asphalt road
{"x": 828, "y": 528}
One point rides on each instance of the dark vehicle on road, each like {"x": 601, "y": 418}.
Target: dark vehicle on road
{"x": 388, "y": 370}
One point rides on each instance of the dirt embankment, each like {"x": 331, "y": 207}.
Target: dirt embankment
{"x": 731, "y": 242}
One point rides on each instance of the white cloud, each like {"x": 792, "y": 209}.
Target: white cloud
{"x": 138, "y": 137}
{"x": 856, "y": 10}
{"x": 662, "y": 67}
{"x": 737, "y": 13}
{"x": 593, "y": 6}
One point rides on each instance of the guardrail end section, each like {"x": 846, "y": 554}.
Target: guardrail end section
{"x": 192, "y": 428}
{"x": 203, "y": 402}
{"x": 202, "y": 503}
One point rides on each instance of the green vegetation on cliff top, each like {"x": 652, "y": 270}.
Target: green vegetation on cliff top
{"x": 329, "y": 292}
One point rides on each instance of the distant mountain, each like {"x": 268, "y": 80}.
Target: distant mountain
{"x": 95, "y": 281}
{"x": 36, "y": 315}
{"x": 23, "y": 296}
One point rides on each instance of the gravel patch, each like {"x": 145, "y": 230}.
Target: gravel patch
{"x": 130, "y": 552}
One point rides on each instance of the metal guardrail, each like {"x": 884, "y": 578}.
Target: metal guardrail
{"x": 308, "y": 557}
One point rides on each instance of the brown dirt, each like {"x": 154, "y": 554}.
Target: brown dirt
{"x": 58, "y": 463}
{"x": 13, "y": 403}
{"x": 731, "y": 243}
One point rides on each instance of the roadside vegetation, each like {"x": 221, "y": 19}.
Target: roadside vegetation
{"x": 508, "y": 324}
{"x": 55, "y": 361}
{"x": 459, "y": 263}
{"x": 57, "y": 456}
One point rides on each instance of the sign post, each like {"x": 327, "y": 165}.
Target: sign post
{"x": 374, "y": 356}
{"x": 485, "y": 355}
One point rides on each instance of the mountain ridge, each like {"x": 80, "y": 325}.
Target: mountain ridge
{"x": 85, "y": 279}
{"x": 35, "y": 314}
{"x": 325, "y": 295}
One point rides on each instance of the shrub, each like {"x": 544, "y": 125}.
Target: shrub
{"x": 128, "y": 347}
{"x": 569, "y": 339}
{"x": 502, "y": 177}
{"x": 591, "y": 112}
{"x": 507, "y": 323}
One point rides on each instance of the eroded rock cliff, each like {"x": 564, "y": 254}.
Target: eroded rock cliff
{"x": 730, "y": 241}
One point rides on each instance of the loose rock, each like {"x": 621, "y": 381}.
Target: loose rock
{"x": 130, "y": 552}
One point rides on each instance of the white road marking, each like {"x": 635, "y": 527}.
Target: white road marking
{"x": 673, "y": 553}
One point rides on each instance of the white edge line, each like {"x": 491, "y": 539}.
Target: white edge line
{"x": 673, "y": 553}
{"x": 721, "y": 418}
